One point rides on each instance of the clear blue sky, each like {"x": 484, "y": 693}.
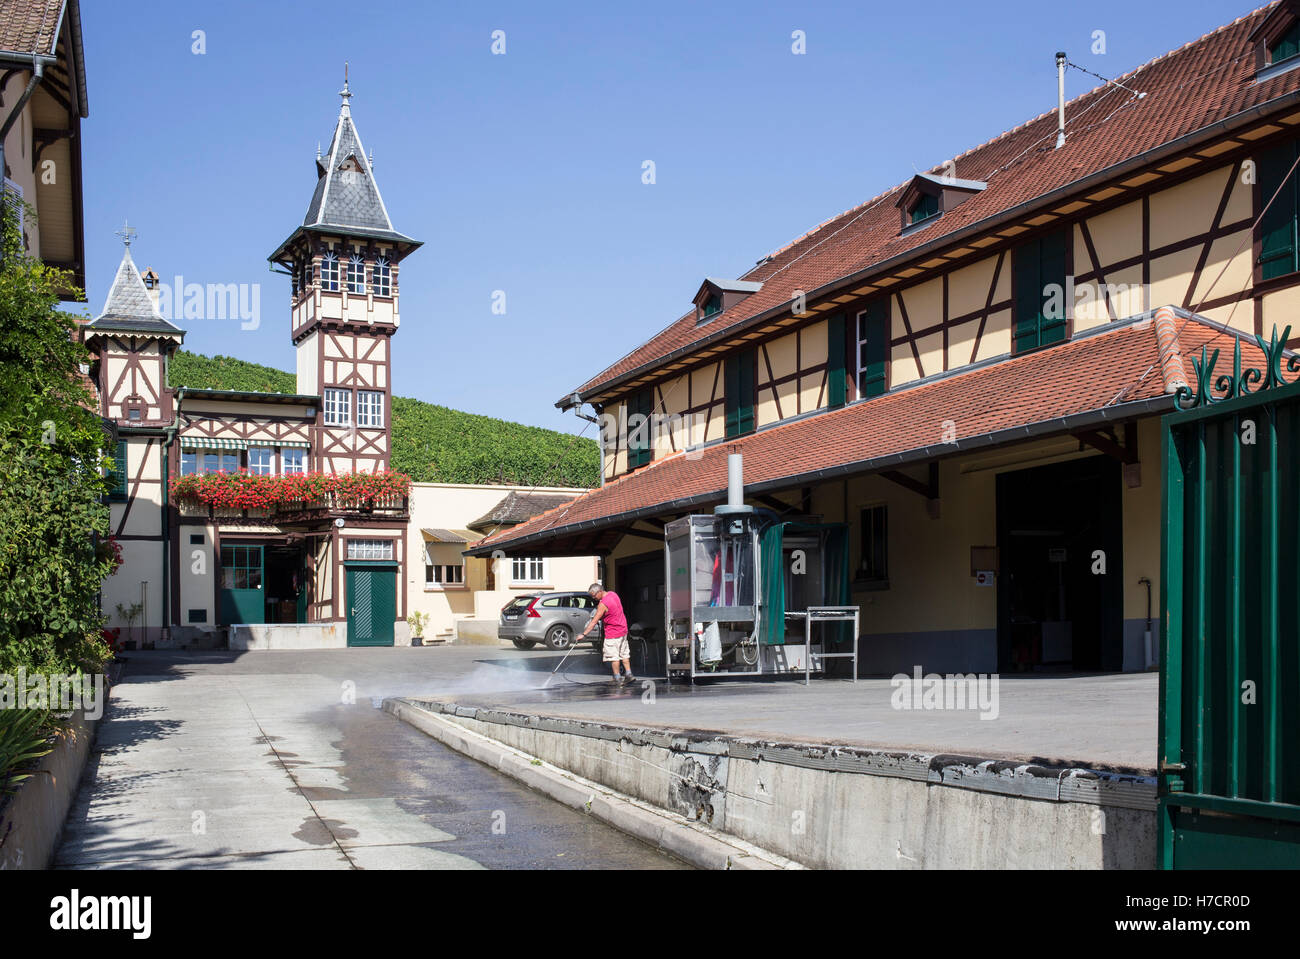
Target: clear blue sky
{"x": 522, "y": 172}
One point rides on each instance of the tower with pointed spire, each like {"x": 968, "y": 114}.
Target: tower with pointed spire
{"x": 132, "y": 342}
{"x": 343, "y": 261}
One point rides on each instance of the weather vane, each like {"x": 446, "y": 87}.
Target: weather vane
{"x": 127, "y": 233}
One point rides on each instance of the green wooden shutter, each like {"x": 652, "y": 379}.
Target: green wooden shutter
{"x": 117, "y": 476}
{"x": 748, "y": 361}
{"x": 836, "y": 380}
{"x": 731, "y": 391}
{"x": 1028, "y": 296}
{"x": 1051, "y": 273}
{"x": 1039, "y": 289}
{"x": 1287, "y": 46}
{"x": 639, "y": 440}
{"x": 873, "y": 352}
{"x": 1277, "y": 229}
{"x": 739, "y": 387}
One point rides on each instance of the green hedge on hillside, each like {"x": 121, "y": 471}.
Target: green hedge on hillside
{"x": 433, "y": 444}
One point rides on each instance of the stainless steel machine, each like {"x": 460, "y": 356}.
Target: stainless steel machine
{"x": 751, "y": 595}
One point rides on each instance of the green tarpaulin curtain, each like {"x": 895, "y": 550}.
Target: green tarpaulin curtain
{"x": 835, "y": 578}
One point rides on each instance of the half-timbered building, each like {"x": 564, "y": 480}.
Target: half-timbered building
{"x": 324, "y": 571}
{"x": 968, "y": 369}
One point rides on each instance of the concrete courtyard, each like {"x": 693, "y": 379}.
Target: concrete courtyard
{"x": 281, "y": 760}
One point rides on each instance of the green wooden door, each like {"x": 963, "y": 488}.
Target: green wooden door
{"x": 372, "y": 603}
{"x": 242, "y": 597}
{"x": 1229, "y": 751}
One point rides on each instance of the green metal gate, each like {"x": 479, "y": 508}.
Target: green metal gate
{"x": 372, "y": 602}
{"x": 1230, "y": 664}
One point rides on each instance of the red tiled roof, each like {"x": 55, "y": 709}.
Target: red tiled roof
{"x": 1186, "y": 90}
{"x": 30, "y": 26}
{"x": 1115, "y": 369}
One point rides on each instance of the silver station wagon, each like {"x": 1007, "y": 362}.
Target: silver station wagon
{"x": 556, "y": 619}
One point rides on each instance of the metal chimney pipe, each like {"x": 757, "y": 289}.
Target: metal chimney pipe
{"x": 735, "y": 479}
{"x": 1060, "y": 100}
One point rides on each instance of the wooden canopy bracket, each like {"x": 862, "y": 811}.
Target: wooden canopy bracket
{"x": 930, "y": 489}
{"x": 1126, "y": 453}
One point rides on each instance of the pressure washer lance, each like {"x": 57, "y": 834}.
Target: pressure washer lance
{"x": 572, "y": 646}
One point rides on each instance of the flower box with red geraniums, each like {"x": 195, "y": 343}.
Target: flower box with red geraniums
{"x": 253, "y": 491}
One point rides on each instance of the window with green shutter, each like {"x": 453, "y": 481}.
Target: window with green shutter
{"x": 740, "y": 393}
{"x": 640, "y": 439}
{"x": 1286, "y": 46}
{"x": 1277, "y": 227}
{"x": 873, "y": 349}
{"x": 836, "y": 373}
{"x": 1041, "y": 309}
{"x": 117, "y": 474}
{"x": 926, "y": 207}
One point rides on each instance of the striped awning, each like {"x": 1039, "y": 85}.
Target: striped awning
{"x": 211, "y": 443}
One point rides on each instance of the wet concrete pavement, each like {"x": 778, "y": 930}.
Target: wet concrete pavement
{"x": 281, "y": 760}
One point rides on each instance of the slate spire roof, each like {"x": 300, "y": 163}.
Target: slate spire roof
{"x": 129, "y": 306}
{"x": 347, "y": 195}
{"x": 347, "y": 199}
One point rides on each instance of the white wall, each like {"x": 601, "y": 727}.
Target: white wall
{"x": 454, "y": 506}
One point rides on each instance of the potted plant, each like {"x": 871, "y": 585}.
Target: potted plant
{"x": 417, "y": 622}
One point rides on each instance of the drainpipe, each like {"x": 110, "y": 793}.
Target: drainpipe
{"x": 38, "y": 71}
{"x": 166, "y": 517}
{"x": 1060, "y": 100}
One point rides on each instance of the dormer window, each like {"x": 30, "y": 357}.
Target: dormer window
{"x": 929, "y": 196}
{"x": 717, "y": 296}
{"x": 1277, "y": 41}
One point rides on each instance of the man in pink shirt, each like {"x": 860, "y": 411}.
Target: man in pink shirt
{"x": 615, "y": 650}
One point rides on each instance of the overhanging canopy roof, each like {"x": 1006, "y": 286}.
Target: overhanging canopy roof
{"x": 1104, "y": 376}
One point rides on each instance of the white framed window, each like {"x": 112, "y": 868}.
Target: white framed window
{"x": 356, "y": 274}
{"x": 370, "y": 408}
{"x": 209, "y": 461}
{"x": 381, "y": 277}
{"x": 528, "y": 569}
{"x": 329, "y": 272}
{"x": 338, "y": 407}
{"x": 436, "y": 574}
{"x": 293, "y": 461}
{"x": 261, "y": 460}
{"x": 370, "y": 549}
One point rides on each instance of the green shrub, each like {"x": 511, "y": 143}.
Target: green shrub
{"x": 24, "y": 738}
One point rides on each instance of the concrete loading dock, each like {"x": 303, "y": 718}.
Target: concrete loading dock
{"x": 834, "y": 776}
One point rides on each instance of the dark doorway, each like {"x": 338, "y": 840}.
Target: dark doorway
{"x": 286, "y": 584}
{"x": 640, "y": 584}
{"x": 1060, "y": 582}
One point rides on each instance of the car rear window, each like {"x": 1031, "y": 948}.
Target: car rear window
{"x": 520, "y": 602}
